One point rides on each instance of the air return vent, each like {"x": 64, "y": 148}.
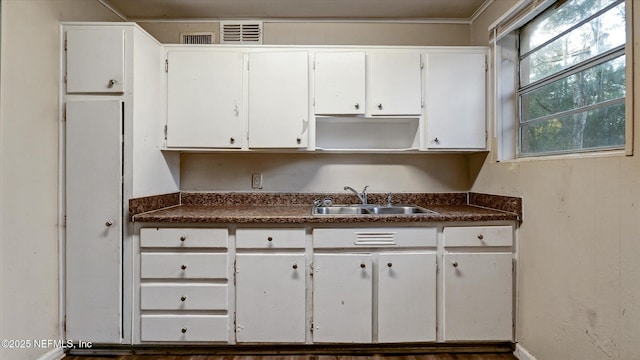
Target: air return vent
{"x": 241, "y": 32}
{"x": 197, "y": 38}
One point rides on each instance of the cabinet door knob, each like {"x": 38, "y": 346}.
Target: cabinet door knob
{"x": 183, "y": 238}
{"x": 455, "y": 264}
{"x": 357, "y": 106}
{"x": 184, "y": 330}
{"x": 232, "y": 140}
{"x": 112, "y": 83}
{"x": 183, "y": 267}
{"x": 108, "y": 223}
{"x": 183, "y": 298}
{"x": 379, "y": 106}
{"x": 436, "y": 140}
{"x": 295, "y": 266}
{"x": 269, "y": 238}
{"x": 389, "y": 264}
{"x": 480, "y": 237}
{"x": 298, "y": 140}
{"x": 363, "y": 266}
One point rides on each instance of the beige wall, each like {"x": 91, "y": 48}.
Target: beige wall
{"x": 326, "y": 172}
{"x": 328, "y": 33}
{"x": 579, "y": 244}
{"x": 29, "y": 166}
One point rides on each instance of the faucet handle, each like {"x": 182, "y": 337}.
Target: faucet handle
{"x": 389, "y": 199}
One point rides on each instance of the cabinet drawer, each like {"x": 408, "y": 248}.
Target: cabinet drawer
{"x": 183, "y": 297}
{"x": 270, "y": 238}
{"x": 183, "y": 266}
{"x": 374, "y": 237}
{"x": 478, "y": 236}
{"x": 185, "y": 328}
{"x": 184, "y": 238}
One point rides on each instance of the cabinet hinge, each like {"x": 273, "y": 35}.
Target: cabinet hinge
{"x": 65, "y": 45}
{"x": 437, "y": 269}
{"x": 166, "y": 65}
{"x": 65, "y": 79}
{"x": 64, "y": 221}
{"x": 312, "y": 326}
{"x": 235, "y": 271}
{"x": 311, "y": 269}
{"x": 165, "y": 132}
{"x": 486, "y": 64}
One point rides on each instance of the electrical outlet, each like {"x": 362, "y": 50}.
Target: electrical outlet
{"x": 256, "y": 180}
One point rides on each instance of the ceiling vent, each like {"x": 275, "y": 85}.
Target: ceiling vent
{"x": 241, "y": 32}
{"x": 197, "y": 38}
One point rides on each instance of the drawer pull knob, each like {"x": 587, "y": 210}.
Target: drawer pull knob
{"x": 357, "y": 106}
{"x": 295, "y": 266}
{"x": 184, "y": 330}
{"x": 480, "y": 237}
{"x": 363, "y": 266}
{"x": 183, "y": 298}
{"x": 183, "y": 267}
{"x": 455, "y": 264}
{"x": 379, "y": 106}
{"x": 389, "y": 264}
{"x": 269, "y": 238}
{"x": 183, "y": 238}
{"x": 108, "y": 223}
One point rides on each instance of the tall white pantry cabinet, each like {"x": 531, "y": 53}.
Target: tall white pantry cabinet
{"x": 110, "y": 110}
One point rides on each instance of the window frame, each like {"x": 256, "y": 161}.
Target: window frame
{"x": 506, "y": 60}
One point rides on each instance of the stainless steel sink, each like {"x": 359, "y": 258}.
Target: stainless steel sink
{"x": 370, "y": 210}
{"x": 399, "y": 210}
{"x": 340, "y": 210}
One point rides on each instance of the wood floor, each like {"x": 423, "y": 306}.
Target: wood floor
{"x": 450, "y": 356}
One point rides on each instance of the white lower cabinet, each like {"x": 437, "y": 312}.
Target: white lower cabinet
{"x": 342, "y": 298}
{"x": 374, "y": 285}
{"x": 271, "y": 285}
{"x": 191, "y": 328}
{"x": 184, "y": 285}
{"x": 270, "y": 298}
{"x": 347, "y": 285}
{"x": 478, "y": 283}
{"x": 406, "y": 297}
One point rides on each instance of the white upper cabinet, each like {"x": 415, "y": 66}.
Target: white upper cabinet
{"x": 395, "y": 84}
{"x": 278, "y": 99}
{"x": 95, "y": 60}
{"x": 455, "y": 100}
{"x": 340, "y": 83}
{"x": 204, "y": 99}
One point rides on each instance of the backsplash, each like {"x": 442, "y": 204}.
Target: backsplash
{"x": 325, "y": 172}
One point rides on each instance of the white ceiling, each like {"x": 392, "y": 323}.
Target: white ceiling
{"x": 445, "y": 10}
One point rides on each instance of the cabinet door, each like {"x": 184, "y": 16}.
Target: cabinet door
{"x": 342, "y": 298}
{"x": 407, "y": 297}
{"x": 94, "y": 220}
{"x": 270, "y": 298}
{"x": 478, "y": 298}
{"x": 395, "y": 84}
{"x": 204, "y": 99}
{"x": 340, "y": 83}
{"x": 455, "y": 107}
{"x": 95, "y": 60}
{"x": 278, "y": 99}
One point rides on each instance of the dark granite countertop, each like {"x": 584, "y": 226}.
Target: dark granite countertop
{"x": 288, "y": 208}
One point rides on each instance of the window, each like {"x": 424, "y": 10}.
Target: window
{"x": 571, "y": 78}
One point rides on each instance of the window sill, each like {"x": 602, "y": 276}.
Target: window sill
{"x": 584, "y": 155}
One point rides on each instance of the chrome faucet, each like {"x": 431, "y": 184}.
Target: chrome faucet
{"x": 362, "y": 196}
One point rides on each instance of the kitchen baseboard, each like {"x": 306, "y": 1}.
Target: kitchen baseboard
{"x": 53, "y": 354}
{"x": 522, "y": 354}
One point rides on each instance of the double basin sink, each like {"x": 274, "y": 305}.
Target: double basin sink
{"x": 370, "y": 210}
